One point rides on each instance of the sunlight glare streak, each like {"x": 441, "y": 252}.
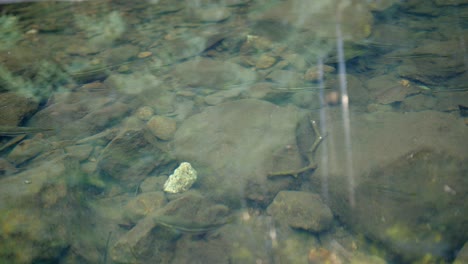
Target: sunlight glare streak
{"x": 323, "y": 125}
{"x": 345, "y": 110}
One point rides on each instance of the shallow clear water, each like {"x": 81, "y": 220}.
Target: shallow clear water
{"x": 234, "y": 131}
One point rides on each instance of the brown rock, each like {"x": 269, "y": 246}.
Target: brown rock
{"x": 28, "y": 149}
{"x": 302, "y": 210}
{"x": 162, "y": 127}
{"x": 34, "y": 203}
{"x": 312, "y": 74}
{"x": 285, "y": 78}
{"x": 265, "y": 61}
{"x": 130, "y": 156}
{"x": 15, "y": 108}
{"x": 143, "y": 205}
{"x": 144, "y": 113}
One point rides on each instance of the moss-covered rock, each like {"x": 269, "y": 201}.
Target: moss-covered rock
{"x": 301, "y": 210}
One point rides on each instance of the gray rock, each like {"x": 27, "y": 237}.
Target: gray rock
{"x": 246, "y": 240}
{"x": 395, "y": 204}
{"x": 401, "y": 183}
{"x": 102, "y": 117}
{"x": 130, "y": 156}
{"x": 214, "y": 74}
{"x": 81, "y": 115}
{"x": 209, "y": 13}
{"x": 302, "y": 210}
{"x": 236, "y": 144}
{"x": 319, "y": 18}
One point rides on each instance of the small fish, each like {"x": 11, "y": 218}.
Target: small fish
{"x": 11, "y": 131}
{"x": 188, "y": 226}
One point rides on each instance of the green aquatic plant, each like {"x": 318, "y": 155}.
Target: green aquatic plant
{"x": 101, "y": 32}
{"x": 10, "y": 82}
{"x": 45, "y": 77}
{"x": 10, "y": 32}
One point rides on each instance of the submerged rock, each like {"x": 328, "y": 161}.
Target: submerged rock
{"x": 36, "y": 220}
{"x": 187, "y": 45}
{"x": 387, "y": 89}
{"x": 411, "y": 205}
{"x": 28, "y": 149}
{"x": 208, "y": 14}
{"x": 319, "y": 18}
{"x": 235, "y": 145}
{"x": 15, "y": 108}
{"x": 152, "y": 239}
{"x": 302, "y": 210}
{"x": 406, "y": 190}
{"x": 162, "y": 127}
{"x": 130, "y": 156}
{"x": 214, "y": 74}
{"x": 80, "y": 114}
{"x": 142, "y": 205}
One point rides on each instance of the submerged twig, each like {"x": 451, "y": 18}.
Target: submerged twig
{"x": 311, "y": 164}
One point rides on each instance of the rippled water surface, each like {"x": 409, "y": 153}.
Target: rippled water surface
{"x": 235, "y": 131}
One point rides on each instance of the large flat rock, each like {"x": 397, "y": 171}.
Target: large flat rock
{"x": 402, "y": 182}
{"x": 235, "y": 145}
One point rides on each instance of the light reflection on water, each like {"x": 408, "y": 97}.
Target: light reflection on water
{"x": 102, "y": 100}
